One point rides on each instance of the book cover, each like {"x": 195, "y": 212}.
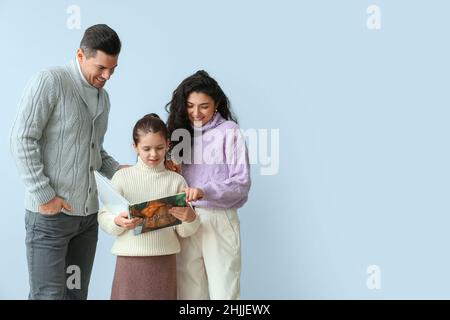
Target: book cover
{"x": 155, "y": 212}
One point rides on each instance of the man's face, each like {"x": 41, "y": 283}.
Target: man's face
{"x": 98, "y": 68}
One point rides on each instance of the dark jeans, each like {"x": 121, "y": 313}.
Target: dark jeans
{"x": 60, "y": 254}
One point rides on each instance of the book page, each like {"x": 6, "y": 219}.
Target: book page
{"x": 109, "y": 197}
{"x": 155, "y": 213}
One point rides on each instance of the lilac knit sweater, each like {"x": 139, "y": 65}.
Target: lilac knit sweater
{"x": 219, "y": 165}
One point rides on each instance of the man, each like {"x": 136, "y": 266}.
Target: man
{"x": 57, "y": 143}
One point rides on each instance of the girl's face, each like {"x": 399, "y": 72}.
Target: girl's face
{"x": 152, "y": 148}
{"x": 200, "y": 108}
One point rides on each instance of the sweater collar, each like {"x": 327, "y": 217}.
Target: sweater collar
{"x": 83, "y": 79}
{"x": 216, "y": 120}
{"x": 159, "y": 168}
{"x": 77, "y": 79}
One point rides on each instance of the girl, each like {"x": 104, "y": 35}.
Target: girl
{"x": 146, "y": 266}
{"x": 209, "y": 263}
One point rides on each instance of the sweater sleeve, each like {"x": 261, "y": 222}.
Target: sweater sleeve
{"x": 109, "y": 165}
{"x": 106, "y": 218}
{"x": 235, "y": 188}
{"x": 186, "y": 229}
{"x": 35, "y": 109}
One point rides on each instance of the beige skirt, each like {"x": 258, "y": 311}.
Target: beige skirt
{"x": 145, "y": 278}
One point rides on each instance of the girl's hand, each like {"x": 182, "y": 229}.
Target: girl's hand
{"x": 193, "y": 194}
{"x": 172, "y": 166}
{"x": 185, "y": 214}
{"x": 122, "y": 221}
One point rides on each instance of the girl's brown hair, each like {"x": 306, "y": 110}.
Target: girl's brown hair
{"x": 149, "y": 123}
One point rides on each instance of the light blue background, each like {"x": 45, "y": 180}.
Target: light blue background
{"x": 363, "y": 118}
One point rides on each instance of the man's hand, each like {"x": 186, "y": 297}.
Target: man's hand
{"x": 122, "y": 221}
{"x": 185, "y": 214}
{"x": 172, "y": 166}
{"x": 54, "y": 206}
{"x": 193, "y": 194}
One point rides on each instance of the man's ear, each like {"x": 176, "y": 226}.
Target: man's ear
{"x": 135, "y": 148}
{"x": 80, "y": 55}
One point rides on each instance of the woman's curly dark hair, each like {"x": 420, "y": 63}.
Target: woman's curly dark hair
{"x": 199, "y": 82}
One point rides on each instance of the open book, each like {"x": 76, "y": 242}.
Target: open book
{"x": 155, "y": 213}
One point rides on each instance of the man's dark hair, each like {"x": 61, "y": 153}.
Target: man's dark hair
{"x": 100, "y": 37}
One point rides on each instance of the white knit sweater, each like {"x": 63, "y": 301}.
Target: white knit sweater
{"x": 137, "y": 184}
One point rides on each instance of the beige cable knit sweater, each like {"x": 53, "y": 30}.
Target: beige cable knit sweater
{"x": 141, "y": 183}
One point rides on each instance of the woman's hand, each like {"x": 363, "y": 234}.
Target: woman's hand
{"x": 185, "y": 214}
{"x": 193, "y": 194}
{"x": 172, "y": 166}
{"x": 122, "y": 221}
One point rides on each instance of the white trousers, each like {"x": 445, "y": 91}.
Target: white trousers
{"x": 209, "y": 264}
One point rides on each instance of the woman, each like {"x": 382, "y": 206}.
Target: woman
{"x": 217, "y": 171}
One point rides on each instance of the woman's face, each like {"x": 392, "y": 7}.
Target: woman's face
{"x": 152, "y": 148}
{"x": 200, "y": 108}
